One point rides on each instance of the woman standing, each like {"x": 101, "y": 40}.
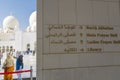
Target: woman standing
{"x": 19, "y": 65}
{"x": 8, "y": 67}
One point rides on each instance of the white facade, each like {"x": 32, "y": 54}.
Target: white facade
{"x": 12, "y": 38}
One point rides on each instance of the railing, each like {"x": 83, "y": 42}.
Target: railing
{"x": 20, "y": 71}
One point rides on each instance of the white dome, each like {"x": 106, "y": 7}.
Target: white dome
{"x": 10, "y": 23}
{"x": 28, "y": 29}
{"x": 33, "y": 27}
{"x": 6, "y": 30}
{"x": 32, "y": 18}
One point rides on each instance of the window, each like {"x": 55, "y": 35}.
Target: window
{"x": 7, "y": 48}
{"x": 11, "y": 48}
{"x": 28, "y": 47}
{"x": 3, "y": 49}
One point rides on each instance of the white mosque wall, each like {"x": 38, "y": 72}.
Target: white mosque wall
{"x": 28, "y": 38}
{"x": 7, "y": 43}
{"x": 56, "y": 64}
{"x": 7, "y": 37}
{"x": 18, "y": 40}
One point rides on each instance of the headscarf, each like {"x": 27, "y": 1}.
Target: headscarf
{"x": 9, "y": 61}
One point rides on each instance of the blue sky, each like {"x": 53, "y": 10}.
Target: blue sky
{"x": 21, "y": 9}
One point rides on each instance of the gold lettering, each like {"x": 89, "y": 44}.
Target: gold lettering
{"x": 105, "y": 42}
{"x": 91, "y": 35}
{"x": 113, "y": 35}
{"x": 81, "y": 41}
{"x": 91, "y": 27}
{"x": 70, "y": 35}
{"x": 82, "y": 49}
{"x": 56, "y": 42}
{"x": 68, "y": 50}
{"x": 70, "y": 42}
{"x": 81, "y": 27}
{"x": 102, "y": 35}
{"x": 92, "y": 42}
{"x": 94, "y": 49}
{"x": 81, "y": 34}
{"x": 55, "y": 27}
{"x": 54, "y": 35}
{"x": 116, "y": 41}
{"x": 105, "y": 28}
{"x": 70, "y": 27}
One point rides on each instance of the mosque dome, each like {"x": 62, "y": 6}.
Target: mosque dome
{"x": 32, "y": 23}
{"x": 32, "y": 18}
{"x": 28, "y": 29}
{"x": 10, "y": 23}
{"x": 33, "y": 27}
{"x": 5, "y": 30}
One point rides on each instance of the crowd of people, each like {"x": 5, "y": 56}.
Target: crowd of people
{"x": 8, "y": 63}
